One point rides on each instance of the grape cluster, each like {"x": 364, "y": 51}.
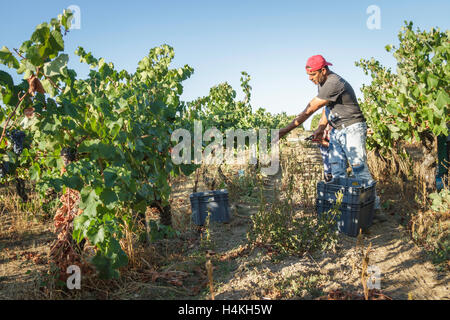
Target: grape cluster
{"x": 68, "y": 154}
{"x": 4, "y": 169}
{"x": 16, "y": 137}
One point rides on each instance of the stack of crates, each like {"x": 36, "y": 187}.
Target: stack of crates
{"x": 357, "y": 206}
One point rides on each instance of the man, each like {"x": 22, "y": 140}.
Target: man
{"x": 348, "y": 137}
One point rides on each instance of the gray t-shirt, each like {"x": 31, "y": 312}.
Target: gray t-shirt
{"x": 343, "y": 105}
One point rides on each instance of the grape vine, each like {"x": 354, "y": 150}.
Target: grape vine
{"x": 115, "y": 125}
{"x": 104, "y": 141}
{"x": 412, "y": 104}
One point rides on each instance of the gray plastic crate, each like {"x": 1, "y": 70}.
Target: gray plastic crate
{"x": 356, "y": 191}
{"x": 353, "y": 216}
{"x": 215, "y": 202}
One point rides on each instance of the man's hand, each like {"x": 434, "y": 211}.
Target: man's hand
{"x": 324, "y": 143}
{"x": 322, "y": 137}
{"x": 318, "y": 134}
{"x": 326, "y": 136}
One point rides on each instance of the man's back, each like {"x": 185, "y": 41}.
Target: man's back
{"x": 343, "y": 104}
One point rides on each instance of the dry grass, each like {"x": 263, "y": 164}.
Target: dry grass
{"x": 18, "y": 219}
{"x": 24, "y": 239}
{"x": 301, "y": 167}
{"x": 407, "y": 186}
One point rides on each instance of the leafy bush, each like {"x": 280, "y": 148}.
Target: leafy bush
{"x": 431, "y": 228}
{"x": 220, "y": 109}
{"x": 441, "y": 201}
{"x": 411, "y": 104}
{"x": 274, "y": 225}
{"x": 159, "y": 231}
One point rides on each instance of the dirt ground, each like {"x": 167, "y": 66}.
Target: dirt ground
{"x": 405, "y": 270}
{"x": 240, "y": 272}
{"x": 23, "y": 253}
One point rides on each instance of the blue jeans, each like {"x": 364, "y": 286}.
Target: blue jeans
{"x": 348, "y": 145}
{"x": 325, "y": 152}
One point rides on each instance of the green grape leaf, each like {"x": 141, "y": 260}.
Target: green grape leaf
{"x": 7, "y": 58}
{"x": 6, "y": 80}
{"x": 57, "y": 66}
{"x": 109, "y": 198}
{"x": 432, "y": 81}
{"x": 56, "y": 41}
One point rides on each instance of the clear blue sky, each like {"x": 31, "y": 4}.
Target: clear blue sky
{"x": 271, "y": 40}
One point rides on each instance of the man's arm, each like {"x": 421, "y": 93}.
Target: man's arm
{"x": 313, "y": 106}
{"x": 321, "y": 127}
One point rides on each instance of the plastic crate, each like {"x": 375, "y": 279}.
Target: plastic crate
{"x": 356, "y": 191}
{"x": 215, "y": 202}
{"x": 353, "y": 217}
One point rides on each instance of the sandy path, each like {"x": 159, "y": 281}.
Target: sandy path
{"x": 405, "y": 271}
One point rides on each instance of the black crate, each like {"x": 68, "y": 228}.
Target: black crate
{"x": 353, "y": 217}
{"x": 356, "y": 191}
{"x": 215, "y": 202}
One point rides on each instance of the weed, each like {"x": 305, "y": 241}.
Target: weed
{"x": 159, "y": 231}
{"x": 243, "y": 187}
{"x": 209, "y": 270}
{"x": 430, "y": 228}
{"x": 275, "y": 225}
{"x": 365, "y": 264}
{"x": 441, "y": 201}
{"x": 299, "y": 285}
{"x": 205, "y": 235}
